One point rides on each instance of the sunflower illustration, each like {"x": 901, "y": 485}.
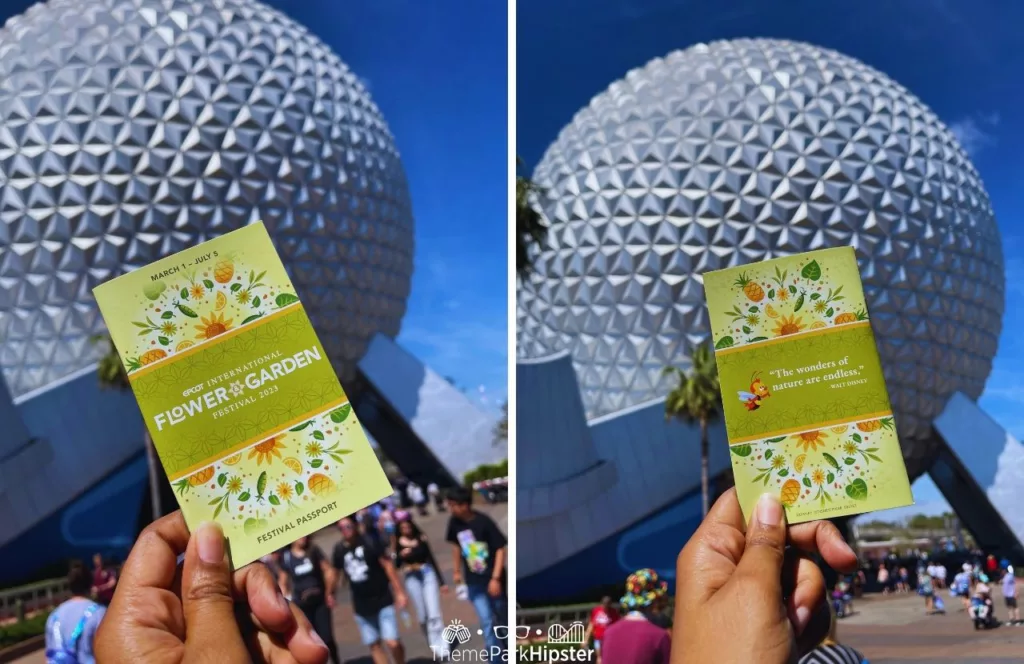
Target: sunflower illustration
{"x": 753, "y": 319}
{"x": 778, "y": 462}
{"x": 242, "y": 296}
{"x": 197, "y": 291}
{"x": 850, "y": 447}
{"x": 284, "y": 490}
{"x": 314, "y": 449}
{"x": 788, "y": 325}
{"x": 234, "y": 485}
{"x": 818, "y": 476}
{"x": 267, "y": 450}
{"x": 783, "y": 294}
{"x": 214, "y": 326}
{"x": 168, "y": 328}
{"x": 810, "y": 440}
{"x": 820, "y": 307}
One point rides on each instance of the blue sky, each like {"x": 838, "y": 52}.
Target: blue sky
{"x": 438, "y": 72}
{"x": 962, "y": 58}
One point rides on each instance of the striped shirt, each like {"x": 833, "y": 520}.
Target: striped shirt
{"x": 833, "y": 654}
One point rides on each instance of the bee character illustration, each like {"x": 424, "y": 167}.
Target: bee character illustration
{"x": 758, "y": 391}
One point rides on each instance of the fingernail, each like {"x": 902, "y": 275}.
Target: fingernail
{"x": 769, "y": 510}
{"x": 315, "y": 638}
{"x": 803, "y": 616}
{"x": 210, "y": 542}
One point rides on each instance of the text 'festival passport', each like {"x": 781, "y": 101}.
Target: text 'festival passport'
{"x": 239, "y": 395}
{"x": 806, "y": 410}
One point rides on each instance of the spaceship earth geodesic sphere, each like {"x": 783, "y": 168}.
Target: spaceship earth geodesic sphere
{"x": 738, "y": 151}
{"x": 131, "y": 129}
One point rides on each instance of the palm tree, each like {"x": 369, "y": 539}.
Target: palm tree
{"x": 696, "y": 398}
{"x": 531, "y": 231}
{"x": 112, "y": 375}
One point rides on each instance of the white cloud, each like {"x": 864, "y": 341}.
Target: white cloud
{"x": 976, "y": 132}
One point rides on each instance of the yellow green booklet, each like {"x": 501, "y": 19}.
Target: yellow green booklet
{"x": 245, "y": 410}
{"x": 806, "y": 410}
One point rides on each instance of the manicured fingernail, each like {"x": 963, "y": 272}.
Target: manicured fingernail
{"x": 803, "y": 616}
{"x": 769, "y": 510}
{"x": 210, "y": 542}
{"x": 317, "y": 641}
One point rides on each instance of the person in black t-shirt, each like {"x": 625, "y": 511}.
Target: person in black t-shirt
{"x": 371, "y": 576}
{"x": 424, "y": 583}
{"x": 307, "y": 577}
{"x": 478, "y": 549}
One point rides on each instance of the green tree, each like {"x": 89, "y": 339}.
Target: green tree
{"x": 696, "y": 398}
{"x": 531, "y": 231}
{"x": 111, "y": 374}
{"x": 501, "y": 428}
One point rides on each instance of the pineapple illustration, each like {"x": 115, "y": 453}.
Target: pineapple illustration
{"x": 875, "y": 425}
{"x": 320, "y": 485}
{"x": 752, "y": 289}
{"x": 149, "y": 357}
{"x": 848, "y": 317}
{"x": 199, "y": 478}
{"x": 224, "y": 270}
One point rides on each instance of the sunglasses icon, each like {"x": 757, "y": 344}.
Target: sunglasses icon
{"x": 522, "y": 632}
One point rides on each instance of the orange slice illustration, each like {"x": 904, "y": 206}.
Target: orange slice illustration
{"x": 294, "y": 464}
{"x": 233, "y": 459}
{"x": 220, "y": 301}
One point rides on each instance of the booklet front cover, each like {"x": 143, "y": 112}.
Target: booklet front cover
{"x": 240, "y": 398}
{"x": 806, "y": 410}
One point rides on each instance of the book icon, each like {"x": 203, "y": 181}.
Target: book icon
{"x": 574, "y": 633}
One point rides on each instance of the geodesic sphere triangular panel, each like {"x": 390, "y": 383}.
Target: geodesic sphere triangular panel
{"x": 738, "y": 151}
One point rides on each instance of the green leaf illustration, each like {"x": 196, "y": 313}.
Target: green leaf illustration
{"x": 163, "y": 340}
{"x": 799, "y": 303}
{"x": 752, "y": 310}
{"x": 235, "y": 287}
{"x": 301, "y": 426}
{"x": 341, "y": 414}
{"x": 208, "y": 284}
{"x": 758, "y": 339}
{"x": 284, "y": 299}
{"x": 857, "y": 489}
{"x": 261, "y": 483}
{"x": 811, "y": 271}
{"x": 783, "y": 472}
{"x": 724, "y": 342}
{"x": 244, "y": 496}
{"x": 221, "y": 479}
{"x": 746, "y": 330}
{"x": 830, "y": 459}
{"x": 776, "y": 440}
{"x": 741, "y": 450}
{"x": 830, "y": 312}
{"x": 815, "y": 296}
{"x": 768, "y": 455}
{"x": 299, "y": 488}
{"x": 771, "y": 294}
{"x": 316, "y": 463}
{"x": 184, "y": 293}
{"x": 274, "y": 500}
{"x": 319, "y": 435}
{"x": 856, "y": 437}
{"x": 792, "y": 289}
{"x": 831, "y": 478}
{"x": 807, "y": 483}
{"x": 251, "y": 319}
{"x": 214, "y": 501}
{"x": 153, "y": 290}
{"x": 217, "y": 511}
{"x": 849, "y": 461}
{"x": 256, "y": 301}
{"x": 167, "y": 315}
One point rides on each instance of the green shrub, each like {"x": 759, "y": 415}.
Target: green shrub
{"x": 26, "y": 629}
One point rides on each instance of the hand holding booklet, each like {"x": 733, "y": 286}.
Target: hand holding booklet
{"x": 239, "y": 395}
{"x": 806, "y": 410}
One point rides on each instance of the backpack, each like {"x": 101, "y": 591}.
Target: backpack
{"x": 67, "y": 652}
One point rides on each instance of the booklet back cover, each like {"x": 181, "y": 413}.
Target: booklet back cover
{"x": 806, "y": 410}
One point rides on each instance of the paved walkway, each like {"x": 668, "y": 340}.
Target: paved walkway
{"x": 895, "y": 630}
{"x": 345, "y": 630}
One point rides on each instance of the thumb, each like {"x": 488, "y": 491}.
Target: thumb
{"x": 765, "y": 548}
{"x": 211, "y": 630}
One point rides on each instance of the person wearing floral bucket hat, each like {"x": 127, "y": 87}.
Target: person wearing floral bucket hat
{"x": 638, "y": 637}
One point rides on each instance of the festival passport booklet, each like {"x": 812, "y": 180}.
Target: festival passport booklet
{"x": 238, "y": 393}
{"x": 806, "y": 410}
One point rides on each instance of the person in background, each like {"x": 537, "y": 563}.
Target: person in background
{"x": 603, "y": 615}
{"x": 419, "y": 500}
{"x": 1010, "y": 593}
{"x": 903, "y": 583}
{"x": 71, "y": 628}
{"x": 386, "y": 528}
{"x": 962, "y": 586}
{"x": 883, "y": 578}
{"x": 104, "y": 580}
{"x": 371, "y": 577}
{"x": 635, "y": 638}
{"x": 478, "y": 553}
{"x": 830, "y": 651}
{"x": 423, "y": 583}
{"x": 940, "y": 575}
{"x": 926, "y": 590}
{"x": 307, "y": 577}
{"x": 991, "y": 565}
{"x": 434, "y": 493}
